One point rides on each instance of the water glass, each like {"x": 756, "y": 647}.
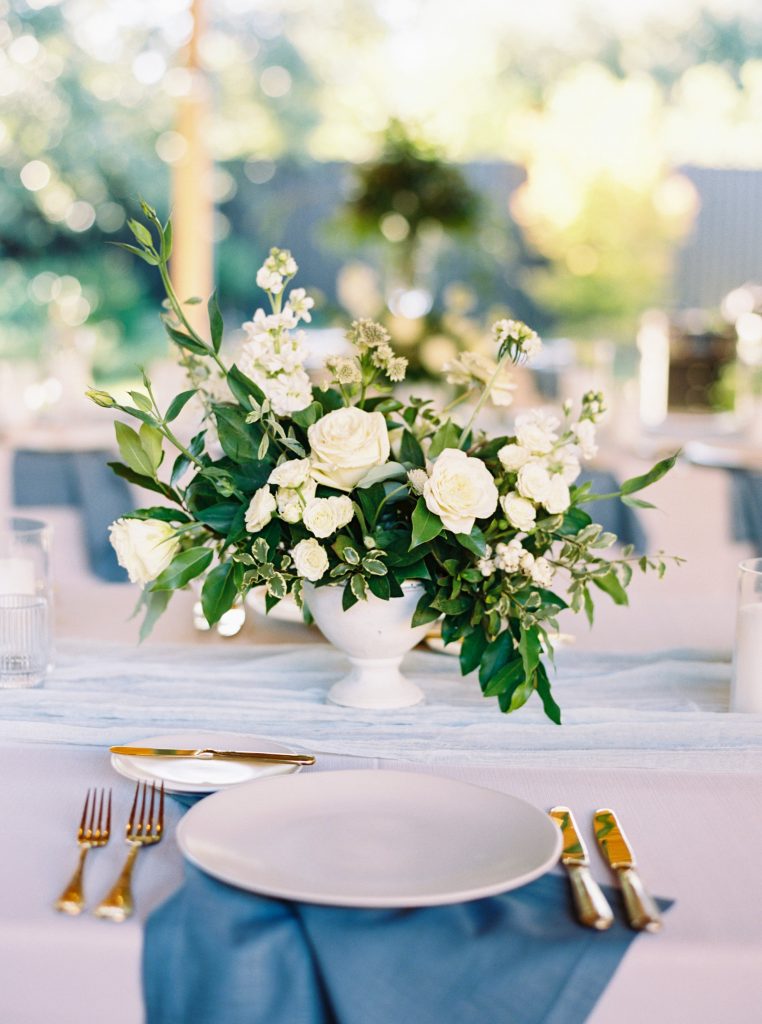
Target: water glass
{"x": 746, "y": 687}
{"x": 24, "y": 640}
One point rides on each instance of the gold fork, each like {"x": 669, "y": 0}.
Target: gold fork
{"x": 143, "y": 829}
{"x": 92, "y": 832}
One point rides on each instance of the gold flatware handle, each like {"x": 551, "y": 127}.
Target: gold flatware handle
{"x": 118, "y": 905}
{"x": 72, "y": 899}
{"x": 208, "y": 754}
{"x": 642, "y": 912}
{"x": 592, "y": 907}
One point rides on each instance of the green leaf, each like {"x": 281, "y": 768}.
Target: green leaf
{"x": 185, "y": 341}
{"x": 178, "y": 404}
{"x": 415, "y": 571}
{"x": 530, "y": 648}
{"x": 183, "y": 568}
{"x": 506, "y": 679}
{"x": 472, "y": 649}
{"x": 610, "y": 585}
{"x": 236, "y": 437}
{"x": 264, "y": 444}
{"x": 141, "y": 233}
{"x": 575, "y": 519}
{"x": 515, "y": 697}
{"x": 244, "y": 388}
{"x": 374, "y": 567}
{"x": 132, "y": 451}
{"x": 379, "y": 585}
{"x": 166, "y": 515}
{"x": 447, "y": 436}
{"x": 424, "y": 612}
{"x": 359, "y": 587}
{"x": 496, "y": 655}
{"x": 147, "y": 256}
{"x": 141, "y": 401}
{"x": 348, "y": 598}
{"x": 389, "y": 471}
{"x": 636, "y": 502}
{"x": 140, "y": 480}
{"x": 637, "y": 483}
{"x": 219, "y": 517}
{"x": 329, "y": 399}
{"x": 151, "y": 440}
{"x": 552, "y": 710}
{"x": 306, "y": 417}
{"x": 411, "y": 451}
{"x": 215, "y": 321}
{"x": 218, "y": 592}
{"x": 475, "y": 541}
{"x": 155, "y": 603}
{"x": 426, "y": 526}
{"x": 166, "y": 241}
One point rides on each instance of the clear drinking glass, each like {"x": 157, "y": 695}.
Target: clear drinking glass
{"x": 25, "y": 602}
{"x": 746, "y": 687}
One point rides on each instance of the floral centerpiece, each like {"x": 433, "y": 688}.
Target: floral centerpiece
{"x": 346, "y": 486}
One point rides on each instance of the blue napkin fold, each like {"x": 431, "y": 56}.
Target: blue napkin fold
{"x": 214, "y": 954}
{"x": 82, "y": 480}
{"x": 746, "y": 507}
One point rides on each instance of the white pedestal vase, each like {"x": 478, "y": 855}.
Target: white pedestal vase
{"x": 375, "y": 635}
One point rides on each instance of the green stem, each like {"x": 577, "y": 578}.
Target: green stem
{"x": 396, "y": 490}
{"x": 482, "y": 399}
{"x": 457, "y": 401}
{"x": 178, "y": 311}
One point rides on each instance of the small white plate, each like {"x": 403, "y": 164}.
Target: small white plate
{"x": 185, "y": 775}
{"x": 370, "y": 839}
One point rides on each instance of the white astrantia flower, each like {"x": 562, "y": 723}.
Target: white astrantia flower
{"x": 144, "y": 547}
{"x": 474, "y": 369}
{"x": 460, "y": 490}
{"x": 520, "y": 512}
{"x": 524, "y": 341}
{"x": 584, "y": 433}
{"x": 542, "y": 572}
{"x": 292, "y": 473}
{"x": 310, "y": 559}
{"x": 345, "y": 444}
{"x": 417, "y": 478}
{"x": 533, "y": 481}
{"x": 537, "y": 431}
{"x": 300, "y": 304}
{"x": 513, "y": 457}
{"x": 260, "y": 510}
{"x": 557, "y": 498}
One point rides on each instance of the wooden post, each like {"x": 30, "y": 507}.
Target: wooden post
{"x": 192, "y": 265}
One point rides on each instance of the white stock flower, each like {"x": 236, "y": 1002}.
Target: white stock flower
{"x": 459, "y": 490}
{"x": 288, "y": 392}
{"x": 519, "y": 512}
{"x": 474, "y": 368}
{"x": 300, "y": 304}
{"x": 536, "y": 430}
{"x": 564, "y": 463}
{"x": 270, "y": 281}
{"x": 557, "y": 498}
{"x": 533, "y": 481}
{"x": 310, "y": 559}
{"x": 260, "y": 510}
{"x": 513, "y": 457}
{"x": 290, "y": 474}
{"x": 584, "y": 432}
{"x": 417, "y": 479}
{"x": 144, "y": 547}
{"x": 542, "y": 572}
{"x": 345, "y": 444}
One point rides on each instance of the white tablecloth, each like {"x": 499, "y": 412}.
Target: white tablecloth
{"x": 697, "y": 831}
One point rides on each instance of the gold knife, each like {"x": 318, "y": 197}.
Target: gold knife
{"x": 207, "y": 754}
{"x": 592, "y": 906}
{"x": 642, "y": 912}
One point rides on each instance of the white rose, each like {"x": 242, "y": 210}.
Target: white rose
{"x": 557, "y": 498}
{"x": 260, "y": 510}
{"x": 584, "y": 431}
{"x": 290, "y": 474}
{"x": 542, "y": 572}
{"x": 518, "y": 511}
{"x": 291, "y": 502}
{"x": 345, "y": 444}
{"x": 513, "y": 457}
{"x": 319, "y": 517}
{"x": 459, "y": 490}
{"x": 533, "y": 481}
{"x": 536, "y": 431}
{"x": 310, "y": 559}
{"x": 343, "y": 510}
{"x": 144, "y": 547}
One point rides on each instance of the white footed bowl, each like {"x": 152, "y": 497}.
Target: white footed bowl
{"x": 375, "y": 635}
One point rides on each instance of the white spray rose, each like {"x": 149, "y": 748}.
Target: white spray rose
{"x": 459, "y": 490}
{"x": 519, "y": 512}
{"x": 291, "y": 502}
{"x": 290, "y": 474}
{"x": 144, "y": 547}
{"x": 533, "y": 481}
{"x": 310, "y": 559}
{"x": 343, "y": 510}
{"x": 324, "y": 516}
{"x": 536, "y": 431}
{"x": 260, "y": 510}
{"x": 557, "y": 498}
{"x": 513, "y": 457}
{"x": 345, "y": 444}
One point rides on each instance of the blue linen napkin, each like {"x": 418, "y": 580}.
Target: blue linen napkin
{"x": 613, "y": 515}
{"x": 746, "y": 507}
{"x": 83, "y": 480}
{"x": 214, "y": 954}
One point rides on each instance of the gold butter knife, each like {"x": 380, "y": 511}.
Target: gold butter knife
{"x": 592, "y": 906}
{"x": 207, "y": 754}
{"x": 642, "y": 912}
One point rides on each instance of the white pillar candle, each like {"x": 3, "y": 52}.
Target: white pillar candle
{"x": 746, "y": 688}
{"x": 16, "y": 576}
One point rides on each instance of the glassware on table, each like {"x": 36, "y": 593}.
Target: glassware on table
{"x": 746, "y": 687}
{"x": 25, "y": 602}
